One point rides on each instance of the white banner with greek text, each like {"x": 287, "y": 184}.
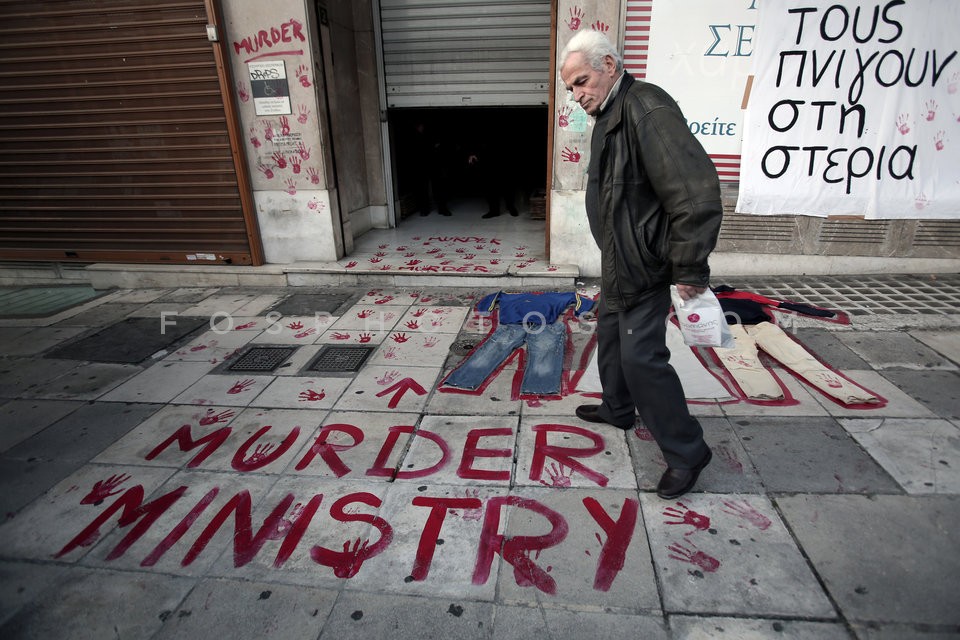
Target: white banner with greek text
{"x": 855, "y": 110}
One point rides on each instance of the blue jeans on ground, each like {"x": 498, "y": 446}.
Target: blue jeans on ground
{"x": 541, "y": 376}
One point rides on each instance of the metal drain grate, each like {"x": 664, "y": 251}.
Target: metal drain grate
{"x": 340, "y": 359}
{"x": 262, "y": 359}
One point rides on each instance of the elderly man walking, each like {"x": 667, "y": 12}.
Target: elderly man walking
{"x": 654, "y": 208}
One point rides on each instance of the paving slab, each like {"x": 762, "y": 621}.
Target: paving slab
{"x": 380, "y": 388}
{"x": 556, "y": 452}
{"x": 316, "y": 392}
{"x": 53, "y": 526}
{"x": 20, "y": 419}
{"x": 575, "y": 548}
{"x": 157, "y": 438}
{"x": 436, "y": 531}
{"x": 813, "y": 455}
{"x": 923, "y": 456}
{"x": 413, "y": 349}
{"x": 100, "y": 315}
{"x": 265, "y": 440}
{"x": 462, "y": 450}
{"x": 248, "y": 610}
{"x": 730, "y": 471}
{"x": 22, "y": 584}
{"x": 729, "y": 554}
{"x": 500, "y": 396}
{"x": 531, "y": 623}
{"x": 352, "y": 337}
{"x": 37, "y": 341}
{"x": 895, "y": 403}
{"x": 356, "y": 445}
{"x": 938, "y": 391}
{"x": 88, "y": 381}
{"x": 213, "y": 346}
{"x": 129, "y": 341}
{"x": 882, "y": 558}
{"x": 10, "y": 336}
{"x": 893, "y": 349}
{"x": 361, "y": 616}
{"x": 20, "y": 375}
{"x": 226, "y": 304}
{"x": 188, "y": 294}
{"x": 295, "y": 330}
{"x": 84, "y": 433}
{"x": 160, "y": 383}
{"x": 720, "y": 628}
{"x": 878, "y": 631}
{"x": 90, "y": 604}
{"x": 305, "y": 304}
{"x": 369, "y": 317}
{"x": 234, "y": 389}
{"x": 316, "y": 533}
{"x": 946, "y": 343}
{"x": 829, "y": 348}
{"x": 23, "y": 481}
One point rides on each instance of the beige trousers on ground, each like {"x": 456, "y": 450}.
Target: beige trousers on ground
{"x": 744, "y": 365}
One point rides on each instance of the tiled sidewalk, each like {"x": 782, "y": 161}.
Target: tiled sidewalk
{"x": 173, "y": 496}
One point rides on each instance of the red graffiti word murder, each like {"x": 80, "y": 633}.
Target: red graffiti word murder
{"x": 272, "y": 37}
{"x": 288, "y": 521}
{"x": 325, "y": 451}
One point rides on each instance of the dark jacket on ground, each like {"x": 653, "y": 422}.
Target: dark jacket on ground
{"x": 653, "y": 196}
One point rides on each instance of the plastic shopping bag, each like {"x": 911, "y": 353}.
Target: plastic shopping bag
{"x": 701, "y": 320}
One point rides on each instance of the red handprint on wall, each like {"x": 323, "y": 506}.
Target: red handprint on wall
{"x": 576, "y": 18}
{"x": 242, "y": 92}
{"x": 302, "y": 76}
{"x": 254, "y": 140}
{"x": 266, "y": 171}
{"x": 563, "y": 116}
{"x": 570, "y": 155}
{"x": 903, "y": 123}
{"x": 313, "y": 175}
{"x": 600, "y": 26}
{"x": 303, "y": 151}
{"x": 267, "y": 130}
{"x": 291, "y": 186}
{"x": 303, "y": 114}
{"x": 280, "y": 160}
{"x": 295, "y": 163}
{"x": 931, "y": 110}
{"x": 284, "y": 125}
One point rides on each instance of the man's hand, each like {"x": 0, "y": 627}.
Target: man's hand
{"x": 688, "y": 291}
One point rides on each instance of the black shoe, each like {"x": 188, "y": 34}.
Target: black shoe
{"x": 588, "y": 413}
{"x": 676, "y": 482}
{"x": 490, "y": 214}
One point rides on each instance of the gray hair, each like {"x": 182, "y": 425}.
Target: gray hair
{"x": 594, "y": 46}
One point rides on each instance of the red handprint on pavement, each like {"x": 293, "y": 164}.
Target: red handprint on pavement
{"x": 296, "y": 324}
{"x": 576, "y": 18}
{"x": 411, "y": 263}
{"x": 570, "y": 155}
{"x": 729, "y": 457}
{"x": 305, "y": 333}
{"x": 245, "y": 326}
{"x": 384, "y": 299}
{"x": 390, "y": 353}
{"x": 387, "y": 378}
{"x": 302, "y": 76}
{"x": 365, "y": 338}
{"x": 240, "y": 386}
{"x": 472, "y": 513}
{"x": 399, "y": 338}
{"x": 259, "y": 454}
{"x": 337, "y": 335}
{"x": 312, "y": 396}
{"x": 743, "y": 510}
{"x": 351, "y": 264}
{"x": 103, "y": 489}
{"x": 365, "y": 313}
{"x": 284, "y": 524}
{"x": 682, "y": 514}
{"x": 375, "y": 260}
{"x": 412, "y": 324}
{"x": 558, "y": 476}
{"x": 213, "y": 418}
{"x": 347, "y": 563}
{"x": 431, "y": 342}
{"x": 689, "y": 553}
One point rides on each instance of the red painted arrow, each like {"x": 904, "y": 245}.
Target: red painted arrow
{"x": 407, "y": 384}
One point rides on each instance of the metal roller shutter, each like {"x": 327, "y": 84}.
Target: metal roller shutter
{"x": 117, "y": 143}
{"x": 442, "y": 53}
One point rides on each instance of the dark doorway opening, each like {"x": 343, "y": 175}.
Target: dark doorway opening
{"x": 447, "y": 159}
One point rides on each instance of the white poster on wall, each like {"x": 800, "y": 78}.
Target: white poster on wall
{"x": 700, "y": 53}
{"x": 855, "y": 110}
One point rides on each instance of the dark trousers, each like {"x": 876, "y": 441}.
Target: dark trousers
{"x": 635, "y": 372}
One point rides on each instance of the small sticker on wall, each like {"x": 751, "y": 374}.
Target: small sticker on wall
{"x": 201, "y": 256}
{"x": 268, "y": 83}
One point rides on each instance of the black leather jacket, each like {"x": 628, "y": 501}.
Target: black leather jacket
{"x": 653, "y": 196}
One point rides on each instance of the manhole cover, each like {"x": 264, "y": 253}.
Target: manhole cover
{"x": 262, "y": 359}
{"x": 462, "y": 347}
{"x": 340, "y": 359}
